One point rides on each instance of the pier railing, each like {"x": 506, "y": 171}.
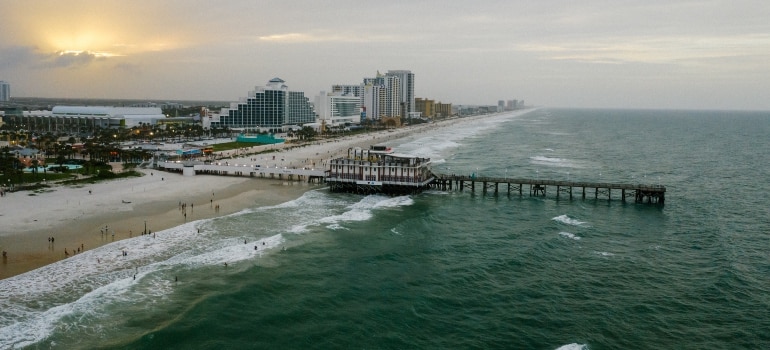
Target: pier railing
{"x": 642, "y": 193}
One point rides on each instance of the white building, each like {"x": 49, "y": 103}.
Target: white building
{"x": 373, "y": 95}
{"x": 271, "y": 108}
{"x": 406, "y": 90}
{"x": 111, "y": 117}
{"x": 335, "y": 108}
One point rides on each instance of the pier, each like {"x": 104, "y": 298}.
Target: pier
{"x": 642, "y": 193}
{"x": 404, "y": 175}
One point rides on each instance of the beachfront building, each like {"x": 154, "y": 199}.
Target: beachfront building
{"x": 432, "y": 109}
{"x": 353, "y": 90}
{"x": 336, "y": 108}
{"x": 382, "y": 95}
{"x": 443, "y": 110}
{"x": 425, "y": 106}
{"x": 378, "y": 170}
{"x": 269, "y": 108}
{"x": 77, "y": 118}
{"x": 405, "y": 91}
{"x": 389, "y": 95}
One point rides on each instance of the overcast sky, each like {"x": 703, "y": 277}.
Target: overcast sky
{"x": 699, "y": 54}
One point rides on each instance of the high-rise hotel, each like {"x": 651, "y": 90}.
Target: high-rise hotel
{"x": 406, "y": 90}
{"x": 270, "y": 108}
{"x": 5, "y": 91}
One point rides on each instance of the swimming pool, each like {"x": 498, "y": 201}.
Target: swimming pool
{"x": 50, "y": 167}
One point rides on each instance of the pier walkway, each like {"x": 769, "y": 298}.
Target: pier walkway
{"x": 642, "y": 193}
{"x": 225, "y": 168}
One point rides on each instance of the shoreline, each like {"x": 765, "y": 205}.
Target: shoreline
{"x": 31, "y": 249}
{"x": 75, "y": 215}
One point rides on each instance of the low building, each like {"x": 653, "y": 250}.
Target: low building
{"x": 75, "y": 118}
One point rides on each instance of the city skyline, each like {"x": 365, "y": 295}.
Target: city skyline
{"x": 636, "y": 54}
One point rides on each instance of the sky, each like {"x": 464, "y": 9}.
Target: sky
{"x": 698, "y": 54}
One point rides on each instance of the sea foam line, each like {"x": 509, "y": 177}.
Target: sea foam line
{"x": 359, "y": 211}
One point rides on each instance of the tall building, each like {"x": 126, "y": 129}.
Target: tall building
{"x": 373, "y": 95}
{"x": 406, "y": 90}
{"x": 272, "y": 108}
{"x": 5, "y": 91}
{"x": 391, "y": 106}
{"x": 385, "y": 95}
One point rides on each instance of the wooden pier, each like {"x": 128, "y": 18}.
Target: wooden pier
{"x": 642, "y": 193}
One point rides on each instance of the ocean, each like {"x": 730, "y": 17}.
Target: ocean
{"x": 453, "y": 270}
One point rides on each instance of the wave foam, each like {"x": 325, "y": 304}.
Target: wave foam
{"x": 359, "y": 211}
{"x": 564, "y": 219}
{"x": 552, "y": 161}
{"x": 570, "y": 235}
{"x": 573, "y": 346}
{"x": 36, "y": 303}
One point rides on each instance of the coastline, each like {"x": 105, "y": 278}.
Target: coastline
{"x": 75, "y": 216}
{"x": 30, "y": 249}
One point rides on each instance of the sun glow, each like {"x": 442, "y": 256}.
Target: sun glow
{"x": 91, "y": 43}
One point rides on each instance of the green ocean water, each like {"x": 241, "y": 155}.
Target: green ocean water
{"x": 455, "y": 270}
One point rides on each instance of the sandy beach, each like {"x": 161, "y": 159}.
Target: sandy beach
{"x": 89, "y": 216}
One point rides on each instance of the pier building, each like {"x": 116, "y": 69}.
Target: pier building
{"x": 378, "y": 170}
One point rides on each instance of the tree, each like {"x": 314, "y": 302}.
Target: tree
{"x": 306, "y": 133}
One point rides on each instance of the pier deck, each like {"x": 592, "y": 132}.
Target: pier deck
{"x": 290, "y": 174}
{"x": 642, "y": 193}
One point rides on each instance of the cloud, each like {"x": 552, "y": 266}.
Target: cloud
{"x": 321, "y": 37}
{"x": 16, "y": 56}
{"x": 68, "y": 59}
{"x": 29, "y": 56}
{"x": 655, "y": 50}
